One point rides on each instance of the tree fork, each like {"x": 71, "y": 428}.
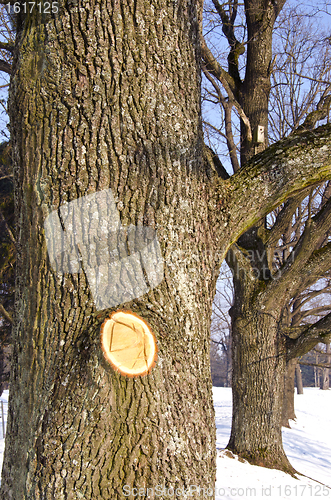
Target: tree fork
{"x": 107, "y": 97}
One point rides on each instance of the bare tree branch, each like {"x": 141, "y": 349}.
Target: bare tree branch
{"x": 5, "y": 314}
{"x": 322, "y": 111}
{"x": 216, "y": 69}
{"x": 312, "y": 335}
{"x": 5, "y": 66}
{"x": 318, "y": 365}
{"x": 236, "y": 48}
{"x": 307, "y": 254}
{"x": 228, "y": 122}
{"x": 283, "y": 218}
{"x": 7, "y": 46}
{"x": 281, "y": 171}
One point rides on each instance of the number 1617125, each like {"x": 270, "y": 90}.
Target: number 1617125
{"x": 29, "y": 7}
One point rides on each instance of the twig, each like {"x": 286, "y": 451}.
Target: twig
{"x": 6, "y": 314}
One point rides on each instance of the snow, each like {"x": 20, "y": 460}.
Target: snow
{"x": 307, "y": 445}
{"x": 4, "y": 406}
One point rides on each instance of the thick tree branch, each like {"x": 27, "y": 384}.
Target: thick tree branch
{"x": 278, "y": 5}
{"x": 237, "y": 260}
{"x": 316, "y": 267}
{"x": 5, "y": 66}
{"x": 312, "y": 335}
{"x": 283, "y": 219}
{"x": 298, "y": 276}
{"x": 7, "y": 46}
{"x": 236, "y": 48}
{"x": 326, "y": 193}
{"x": 232, "y": 100}
{"x": 308, "y": 261}
{"x": 215, "y": 162}
{"x": 268, "y": 179}
{"x": 227, "y": 23}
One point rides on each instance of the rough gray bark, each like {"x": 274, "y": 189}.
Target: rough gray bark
{"x": 288, "y": 412}
{"x": 262, "y": 360}
{"x": 325, "y": 383}
{"x": 259, "y": 362}
{"x": 107, "y": 95}
{"x": 7, "y": 262}
{"x": 298, "y": 378}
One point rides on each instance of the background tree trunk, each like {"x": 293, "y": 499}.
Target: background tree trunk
{"x": 254, "y": 435}
{"x": 258, "y": 365}
{"x": 258, "y": 388}
{"x": 288, "y": 412}
{"x": 258, "y": 361}
{"x": 108, "y": 97}
{"x": 325, "y": 382}
{"x": 298, "y": 377}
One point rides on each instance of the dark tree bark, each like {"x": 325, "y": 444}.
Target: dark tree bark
{"x": 107, "y": 95}
{"x": 7, "y": 261}
{"x": 259, "y": 363}
{"x": 288, "y": 412}
{"x": 325, "y": 383}
{"x": 254, "y": 91}
{"x": 298, "y": 377}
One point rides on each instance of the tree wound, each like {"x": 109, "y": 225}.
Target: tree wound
{"x": 128, "y": 344}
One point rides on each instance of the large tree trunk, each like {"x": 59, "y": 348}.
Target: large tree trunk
{"x": 108, "y": 97}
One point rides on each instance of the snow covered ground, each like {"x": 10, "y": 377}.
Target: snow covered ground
{"x": 4, "y": 406}
{"x": 307, "y": 444}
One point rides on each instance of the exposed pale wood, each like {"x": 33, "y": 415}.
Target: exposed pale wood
{"x": 128, "y": 344}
